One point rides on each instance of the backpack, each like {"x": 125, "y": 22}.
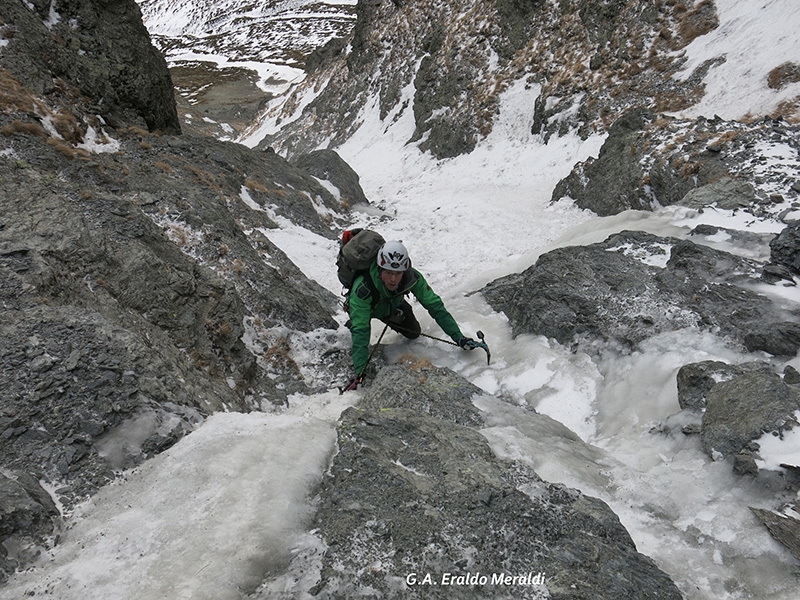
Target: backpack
{"x": 358, "y": 250}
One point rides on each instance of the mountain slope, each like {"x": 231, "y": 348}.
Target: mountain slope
{"x": 592, "y": 62}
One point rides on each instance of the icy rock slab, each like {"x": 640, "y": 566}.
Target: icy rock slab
{"x": 416, "y": 491}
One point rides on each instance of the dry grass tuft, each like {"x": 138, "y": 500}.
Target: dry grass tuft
{"x": 66, "y": 125}
{"x": 279, "y": 356}
{"x": 14, "y": 97}
{"x": 67, "y": 150}
{"x": 23, "y": 128}
{"x": 783, "y": 75}
{"x": 254, "y": 185}
{"x": 134, "y": 130}
{"x": 164, "y": 167}
{"x": 788, "y": 110}
{"x": 698, "y": 21}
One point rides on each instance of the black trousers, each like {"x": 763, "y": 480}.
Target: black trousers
{"x": 404, "y": 322}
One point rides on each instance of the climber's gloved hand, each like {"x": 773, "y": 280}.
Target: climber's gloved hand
{"x": 354, "y": 383}
{"x": 468, "y": 343}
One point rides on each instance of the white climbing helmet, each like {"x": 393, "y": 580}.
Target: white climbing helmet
{"x": 393, "y": 256}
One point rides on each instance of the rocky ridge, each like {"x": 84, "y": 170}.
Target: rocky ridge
{"x": 592, "y": 62}
{"x": 416, "y": 493}
{"x": 140, "y": 290}
{"x": 650, "y": 160}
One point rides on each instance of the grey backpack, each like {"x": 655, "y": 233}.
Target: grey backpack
{"x": 358, "y": 250}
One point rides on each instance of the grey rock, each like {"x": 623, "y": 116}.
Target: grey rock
{"x": 127, "y": 280}
{"x": 727, "y": 194}
{"x": 26, "y": 512}
{"x": 779, "y": 339}
{"x": 784, "y": 528}
{"x": 97, "y": 54}
{"x": 744, "y": 463}
{"x": 695, "y": 380}
{"x": 791, "y": 375}
{"x": 778, "y": 274}
{"x": 410, "y": 492}
{"x": 611, "y": 291}
{"x": 785, "y": 248}
{"x": 329, "y": 166}
{"x": 436, "y": 392}
{"x": 742, "y": 409}
{"x": 649, "y": 161}
{"x": 611, "y": 183}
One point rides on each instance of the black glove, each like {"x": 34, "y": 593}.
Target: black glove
{"x": 354, "y": 382}
{"x": 468, "y": 343}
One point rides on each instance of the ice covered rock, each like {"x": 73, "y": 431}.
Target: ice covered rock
{"x": 743, "y": 408}
{"x": 416, "y": 505}
{"x": 635, "y": 285}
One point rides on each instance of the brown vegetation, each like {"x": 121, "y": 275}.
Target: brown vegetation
{"x": 23, "y": 128}
{"x": 698, "y": 21}
{"x": 14, "y": 97}
{"x": 66, "y": 149}
{"x": 783, "y": 75}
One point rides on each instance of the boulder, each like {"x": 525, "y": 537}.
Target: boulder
{"x": 26, "y": 513}
{"x": 742, "y": 409}
{"x": 784, "y": 527}
{"x": 779, "y": 339}
{"x": 785, "y": 248}
{"x": 633, "y": 286}
{"x": 726, "y": 194}
{"x": 327, "y": 165}
{"x": 695, "y": 380}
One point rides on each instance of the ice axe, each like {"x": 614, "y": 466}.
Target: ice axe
{"x": 484, "y": 346}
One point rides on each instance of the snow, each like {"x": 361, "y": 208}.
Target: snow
{"x": 272, "y": 78}
{"x": 777, "y": 450}
{"x": 205, "y": 519}
{"x": 754, "y": 38}
{"x": 231, "y": 502}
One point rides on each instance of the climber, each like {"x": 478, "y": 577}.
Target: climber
{"x": 380, "y": 294}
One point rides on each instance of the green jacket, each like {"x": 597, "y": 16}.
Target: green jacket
{"x": 363, "y": 308}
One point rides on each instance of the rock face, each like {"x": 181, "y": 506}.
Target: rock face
{"x": 649, "y": 160}
{"x": 94, "y": 53}
{"x": 415, "y": 491}
{"x": 619, "y": 291}
{"x": 139, "y": 288}
{"x": 611, "y": 183}
{"x": 460, "y": 55}
{"x": 128, "y": 290}
{"x": 327, "y": 165}
{"x": 785, "y": 249}
{"x": 24, "y": 507}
